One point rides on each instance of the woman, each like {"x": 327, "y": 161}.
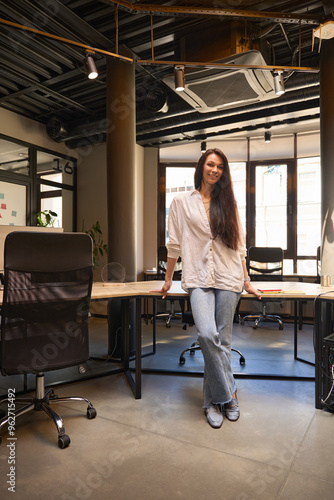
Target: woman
{"x": 204, "y": 228}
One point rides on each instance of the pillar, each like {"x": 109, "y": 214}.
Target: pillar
{"x": 327, "y": 156}
{"x": 121, "y": 167}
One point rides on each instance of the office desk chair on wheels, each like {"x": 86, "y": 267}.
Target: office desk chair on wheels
{"x": 264, "y": 264}
{"x": 44, "y": 316}
{"x": 162, "y": 266}
{"x": 187, "y": 318}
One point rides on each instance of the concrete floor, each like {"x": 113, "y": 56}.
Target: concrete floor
{"x": 160, "y": 447}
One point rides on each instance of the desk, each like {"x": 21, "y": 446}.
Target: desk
{"x": 140, "y": 290}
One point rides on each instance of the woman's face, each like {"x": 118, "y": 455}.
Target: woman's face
{"x": 212, "y": 169}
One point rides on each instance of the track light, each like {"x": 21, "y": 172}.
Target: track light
{"x": 279, "y": 83}
{"x": 179, "y": 78}
{"x": 203, "y": 147}
{"x": 267, "y": 137}
{"x": 90, "y": 66}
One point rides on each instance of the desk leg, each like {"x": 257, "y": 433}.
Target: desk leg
{"x": 323, "y": 320}
{"x": 295, "y": 333}
{"x": 138, "y": 349}
{"x": 295, "y": 336}
{"x": 134, "y": 384}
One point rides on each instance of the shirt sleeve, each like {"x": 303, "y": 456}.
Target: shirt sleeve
{"x": 174, "y": 242}
{"x": 242, "y": 245}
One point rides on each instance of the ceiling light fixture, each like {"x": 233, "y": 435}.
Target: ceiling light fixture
{"x": 203, "y": 147}
{"x": 90, "y": 66}
{"x": 279, "y": 82}
{"x": 267, "y": 136}
{"x": 179, "y": 78}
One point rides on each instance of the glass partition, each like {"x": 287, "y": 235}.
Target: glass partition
{"x": 14, "y": 158}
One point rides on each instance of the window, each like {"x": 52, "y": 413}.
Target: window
{"x": 308, "y": 213}
{"x": 180, "y": 179}
{"x": 55, "y": 180}
{"x": 13, "y": 204}
{"x": 14, "y": 158}
{"x": 238, "y": 174}
{"x": 271, "y": 206}
{"x": 33, "y": 180}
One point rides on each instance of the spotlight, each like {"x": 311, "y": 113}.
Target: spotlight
{"x": 179, "y": 78}
{"x": 267, "y": 137}
{"x": 90, "y": 66}
{"x": 203, "y": 147}
{"x": 279, "y": 83}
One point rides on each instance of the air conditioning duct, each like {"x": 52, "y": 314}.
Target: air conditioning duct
{"x": 218, "y": 88}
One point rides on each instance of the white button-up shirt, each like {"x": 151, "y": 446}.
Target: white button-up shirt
{"x": 206, "y": 261}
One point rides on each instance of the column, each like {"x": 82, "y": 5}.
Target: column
{"x": 121, "y": 168}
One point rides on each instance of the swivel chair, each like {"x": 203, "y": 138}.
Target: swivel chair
{"x": 264, "y": 264}
{"x": 187, "y": 318}
{"x": 162, "y": 265}
{"x": 44, "y": 316}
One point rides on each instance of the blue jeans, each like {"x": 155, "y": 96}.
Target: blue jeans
{"x": 213, "y": 311}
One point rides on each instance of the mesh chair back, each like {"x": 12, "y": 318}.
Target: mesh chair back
{"x": 265, "y": 263}
{"x": 47, "y": 290}
{"x": 162, "y": 265}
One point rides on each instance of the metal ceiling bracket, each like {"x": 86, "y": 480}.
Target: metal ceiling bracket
{"x": 217, "y": 11}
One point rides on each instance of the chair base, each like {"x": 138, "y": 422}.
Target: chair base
{"x": 262, "y": 317}
{"x": 169, "y": 317}
{"x": 196, "y": 347}
{"x": 42, "y": 402}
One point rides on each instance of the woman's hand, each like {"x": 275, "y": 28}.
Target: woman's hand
{"x": 250, "y": 289}
{"x": 165, "y": 288}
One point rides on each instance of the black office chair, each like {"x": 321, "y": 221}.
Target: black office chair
{"x": 264, "y": 264}
{"x": 44, "y": 316}
{"x": 162, "y": 266}
{"x": 187, "y": 318}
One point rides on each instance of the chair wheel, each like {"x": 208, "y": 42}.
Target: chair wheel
{"x": 91, "y": 413}
{"x": 192, "y": 352}
{"x": 280, "y": 327}
{"x": 63, "y": 441}
{"x": 182, "y": 360}
{"x": 184, "y": 327}
{"x": 242, "y": 360}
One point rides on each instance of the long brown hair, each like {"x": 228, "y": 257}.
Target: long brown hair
{"x": 224, "y": 218}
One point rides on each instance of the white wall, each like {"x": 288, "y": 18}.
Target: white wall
{"x": 140, "y": 165}
{"x": 24, "y": 129}
{"x": 92, "y": 196}
{"x": 150, "y": 207}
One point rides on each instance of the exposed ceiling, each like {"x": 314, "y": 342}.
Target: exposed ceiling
{"x": 43, "y": 77}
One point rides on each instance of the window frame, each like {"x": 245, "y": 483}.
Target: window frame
{"x": 291, "y": 251}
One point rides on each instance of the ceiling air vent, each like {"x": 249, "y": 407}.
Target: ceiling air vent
{"x": 214, "y": 89}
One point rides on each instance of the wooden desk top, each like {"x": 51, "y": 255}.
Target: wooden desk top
{"x": 289, "y": 290}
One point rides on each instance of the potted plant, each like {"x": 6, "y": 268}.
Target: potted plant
{"x": 46, "y": 218}
{"x": 99, "y": 247}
